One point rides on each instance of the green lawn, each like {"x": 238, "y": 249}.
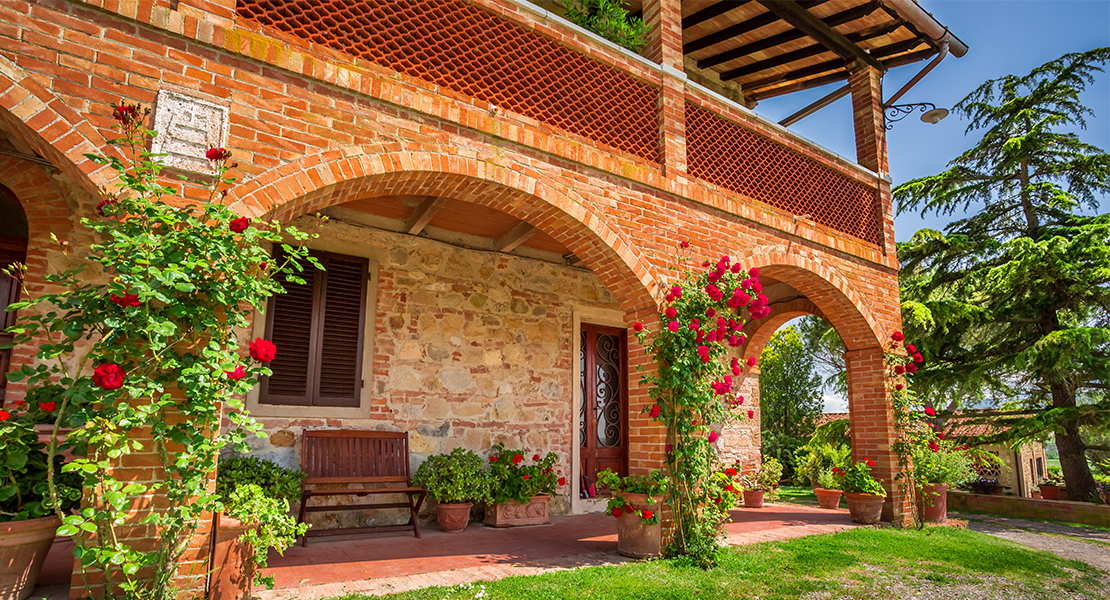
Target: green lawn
{"x": 858, "y": 564}
{"x": 797, "y": 495}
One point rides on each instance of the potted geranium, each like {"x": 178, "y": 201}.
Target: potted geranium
{"x": 765, "y": 482}
{"x": 828, "y": 490}
{"x": 1051, "y": 484}
{"x": 256, "y": 495}
{"x": 28, "y": 520}
{"x": 635, "y": 503}
{"x": 938, "y": 465}
{"x": 864, "y": 493}
{"x": 521, "y": 487}
{"x": 455, "y": 481}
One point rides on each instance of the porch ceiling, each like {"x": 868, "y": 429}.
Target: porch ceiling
{"x": 422, "y": 214}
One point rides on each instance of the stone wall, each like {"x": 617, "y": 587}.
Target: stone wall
{"x": 470, "y": 348}
{"x": 1029, "y": 508}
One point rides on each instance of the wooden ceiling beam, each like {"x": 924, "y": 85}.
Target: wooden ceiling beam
{"x": 761, "y": 20}
{"x": 832, "y": 39}
{"x": 516, "y": 236}
{"x": 897, "y": 61}
{"x": 807, "y": 52}
{"x": 844, "y": 16}
{"x": 711, "y": 11}
{"x": 423, "y": 214}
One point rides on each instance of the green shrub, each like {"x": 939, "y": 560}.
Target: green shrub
{"x": 942, "y": 463}
{"x": 519, "y": 477}
{"x": 276, "y": 481}
{"x": 828, "y": 480}
{"x": 609, "y": 19}
{"x": 455, "y": 478}
{"x": 858, "y": 479}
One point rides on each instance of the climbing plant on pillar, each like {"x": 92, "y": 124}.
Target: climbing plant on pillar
{"x": 692, "y": 389}
{"x": 139, "y": 353}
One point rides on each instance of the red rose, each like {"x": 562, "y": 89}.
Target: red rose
{"x": 527, "y": 477}
{"x": 262, "y": 267}
{"x": 617, "y": 512}
{"x": 899, "y": 369}
{"x": 654, "y": 412}
{"x": 518, "y": 459}
{"x": 263, "y": 350}
{"x": 673, "y": 326}
{"x": 4, "y": 415}
{"x": 237, "y": 374}
{"x": 127, "y": 300}
{"x": 917, "y": 358}
{"x": 751, "y": 414}
{"x": 910, "y": 349}
{"x": 671, "y": 312}
{"x": 934, "y": 446}
{"x": 930, "y": 411}
{"x": 670, "y": 298}
{"x": 871, "y": 463}
{"x": 752, "y": 361}
{"x": 109, "y": 376}
{"x": 535, "y": 457}
{"x": 940, "y": 434}
{"x": 684, "y": 244}
{"x": 911, "y": 368}
{"x": 562, "y": 481}
{"x": 105, "y": 203}
{"x": 125, "y": 113}
{"x": 897, "y": 336}
{"x": 899, "y": 387}
{"x": 239, "y": 225}
{"x": 638, "y": 326}
{"x": 217, "y": 154}
{"x": 48, "y": 406}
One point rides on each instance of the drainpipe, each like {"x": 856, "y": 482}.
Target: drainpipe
{"x": 921, "y": 74}
{"x": 926, "y": 24}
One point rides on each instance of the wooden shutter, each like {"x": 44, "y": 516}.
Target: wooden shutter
{"x": 318, "y": 328}
{"x": 342, "y": 332}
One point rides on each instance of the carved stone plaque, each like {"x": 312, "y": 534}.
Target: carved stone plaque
{"x": 188, "y": 125}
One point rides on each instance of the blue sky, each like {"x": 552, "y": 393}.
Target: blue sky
{"x": 1003, "y": 37}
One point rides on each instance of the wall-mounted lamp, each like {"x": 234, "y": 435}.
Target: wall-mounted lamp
{"x": 896, "y": 112}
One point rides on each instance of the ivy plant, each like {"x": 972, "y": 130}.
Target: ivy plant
{"x": 140, "y": 352}
{"x": 271, "y": 527}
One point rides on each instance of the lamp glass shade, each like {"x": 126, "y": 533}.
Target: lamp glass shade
{"x": 934, "y": 116}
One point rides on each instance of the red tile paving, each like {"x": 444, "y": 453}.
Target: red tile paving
{"x": 388, "y": 563}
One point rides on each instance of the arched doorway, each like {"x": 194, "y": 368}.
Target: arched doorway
{"x": 13, "y": 249}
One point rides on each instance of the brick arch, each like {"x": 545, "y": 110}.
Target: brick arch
{"x": 831, "y": 295}
{"x": 36, "y": 117}
{"x": 335, "y": 177}
{"x": 759, "y": 332}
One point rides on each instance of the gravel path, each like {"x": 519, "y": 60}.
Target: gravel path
{"x": 1091, "y": 546}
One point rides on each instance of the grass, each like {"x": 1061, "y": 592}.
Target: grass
{"x": 804, "y": 496}
{"x": 862, "y": 563}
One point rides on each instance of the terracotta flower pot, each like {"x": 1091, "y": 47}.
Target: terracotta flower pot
{"x": 23, "y": 548}
{"x": 634, "y": 538}
{"x": 1050, "y": 492}
{"x": 865, "y": 508}
{"x": 934, "y": 503}
{"x": 828, "y": 498}
{"x": 753, "y": 498}
{"x": 453, "y": 518}
{"x": 232, "y": 568}
{"x": 513, "y": 513}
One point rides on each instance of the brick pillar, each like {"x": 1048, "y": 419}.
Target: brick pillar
{"x": 742, "y": 439}
{"x": 664, "y": 18}
{"x": 646, "y": 438}
{"x": 866, "y": 83}
{"x": 872, "y": 422}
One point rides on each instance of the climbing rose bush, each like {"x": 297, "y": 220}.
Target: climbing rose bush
{"x": 138, "y": 353}
{"x": 693, "y": 390}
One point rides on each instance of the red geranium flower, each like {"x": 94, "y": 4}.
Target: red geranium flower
{"x": 647, "y": 514}
{"x": 527, "y": 477}
{"x": 239, "y": 225}
{"x": 871, "y": 463}
{"x": 535, "y": 457}
{"x": 237, "y": 374}
{"x": 940, "y": 434}
{"x": 934, "y": 446}
{"x": 617, "y": 512}
{"x": 518, "y": 459}
{"x": 48, "y": 406}
{"x": 493, "y": 459}
{"x": 684, "y": 244}
{"x": 562, "y": 481}
{"x": 730, "y": 472}
{"x": 109, "y": 376}
{"x": 263, "y": 350}
{"x": 4, "y": 415}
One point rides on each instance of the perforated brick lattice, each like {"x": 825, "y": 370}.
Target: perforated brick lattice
{"x": 732, "y": 157}
{"x": 470, "y": 51}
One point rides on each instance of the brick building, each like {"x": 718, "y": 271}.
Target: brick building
{"x": 504, "y": 191}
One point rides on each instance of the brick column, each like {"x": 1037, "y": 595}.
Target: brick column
{"x": 866, "y": 83}
{"x": 872, "y": 422}
{"x": 664, "y": 18}
{"x": 646, "y": 438}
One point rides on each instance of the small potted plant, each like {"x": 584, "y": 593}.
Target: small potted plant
{"x": 1051, "y": 484}
{"x": 828, "y": 490}
{"x": 635, "y": 503}
{"x": 521, "y": 487}
{"x": 765, "y": 482}
{"x": 455, "y": 481}
{"x": 864, "y": 493}
{"x": 256, "y": 495}
{"x": 28, "y": 521}
{"x": 938, "y": 465}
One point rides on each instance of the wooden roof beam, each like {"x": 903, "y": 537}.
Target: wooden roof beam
{"x": 832, "y": 39}
{"x": 807, "y": 52}
{"x": 844, "y": 16}
{"x": 516, "y": 236}
{"x": 760, "y": 20}
{"x": 423, "y": 214}
{"x": 711, "y": 11}
{"x": 897, "y": 61}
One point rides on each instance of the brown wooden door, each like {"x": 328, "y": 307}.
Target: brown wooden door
{"x": 12, "y": 250}
{"x": 603, "y": 411}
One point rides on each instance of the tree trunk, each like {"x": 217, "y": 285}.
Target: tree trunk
{"x": 1073, "y": 458}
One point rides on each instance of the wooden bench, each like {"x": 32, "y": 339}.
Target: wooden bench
{"x": 357, "y": 456}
